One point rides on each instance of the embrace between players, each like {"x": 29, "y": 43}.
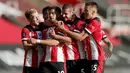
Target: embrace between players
{"x": 64, "y": 43}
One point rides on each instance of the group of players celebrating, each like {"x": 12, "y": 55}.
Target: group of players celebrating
{"x": 64, "y": 43}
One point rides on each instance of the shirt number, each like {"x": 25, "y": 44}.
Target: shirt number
{"x": 60, "y": 71}
{"x": 94, "y": 67}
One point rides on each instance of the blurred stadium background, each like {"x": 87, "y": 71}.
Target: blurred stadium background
{"x": 114, "y": 14}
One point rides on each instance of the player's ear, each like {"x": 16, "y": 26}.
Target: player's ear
{"x": 93, "y": 12}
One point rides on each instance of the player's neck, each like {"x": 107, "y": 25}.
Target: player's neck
{"x": 34, "y": 27}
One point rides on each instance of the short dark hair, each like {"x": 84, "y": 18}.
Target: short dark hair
{"x": 92, "y": 3}
{"x": 44, "y": 9}
{"x": 65, "y": 6}
{"x": 57, "y": 10}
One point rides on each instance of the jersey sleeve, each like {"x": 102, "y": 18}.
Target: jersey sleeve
{"x": 25, "y": 34}
{"x": 103, "y": 34}
{"x": 79, "y": 26}
{"x": 92, "y": 27}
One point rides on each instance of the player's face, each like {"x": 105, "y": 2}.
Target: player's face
{"x": 52, "y": 14}
{"x": 46, "y": 15}
{"x": 88, "y": 12}
{"x": 67, "y": 13}
{"x": 34, "y": 19}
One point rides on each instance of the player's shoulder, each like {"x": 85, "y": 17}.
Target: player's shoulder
{"x": 78, "y": 21}
{"x": 97, "y": 19}
{"x": 27, "y": 28}
{"x": 81, "y": 22}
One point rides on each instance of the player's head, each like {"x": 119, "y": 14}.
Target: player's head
{"x": 45, "y": 12}
{"x": 90, "y": 9}
{"x": 32, "y": 16}
{"x": 54, "y": 12}
{"x": 67, "y": 11}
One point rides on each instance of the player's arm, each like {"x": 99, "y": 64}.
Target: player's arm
{"x": 89, "y": 29}
{"x": 109, "y": 45}
{"x": 74, "y": 35}
{"x": 59, "y": 35}
{"x": 48, "y": 42}
{"x": 63, "y": 39}
{"x": 27, "y": 45}
{"x": 60, "y": 26}
{"x": 25, "y": 39}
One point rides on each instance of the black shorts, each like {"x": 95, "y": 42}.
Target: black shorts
{"x": 30, "y": 70}
{"x": 92, "y": 66}
{"x": 73, "y": 66}
{"x": 52, "y": 67}
{"x": 100, "y": 67}
{"x": 83, "y": 65}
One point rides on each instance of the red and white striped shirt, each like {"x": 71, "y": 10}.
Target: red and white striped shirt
{"x": 32, "y": 56}
{"x": 52, "y": 53}
{"x": 75, "y": 50}
{"x": 92, "y": 42}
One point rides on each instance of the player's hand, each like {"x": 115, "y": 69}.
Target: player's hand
{"x": 33, "y": 41}
{"x": 108, "y": 54}
{"x": 60, "y": 25}
{"x": 55, "y": 22}
{"x": 52, "y": 34}
{"x": 29, "y": 41}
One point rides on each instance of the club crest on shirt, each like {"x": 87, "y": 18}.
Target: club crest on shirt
{"x": 39, "y": 34}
